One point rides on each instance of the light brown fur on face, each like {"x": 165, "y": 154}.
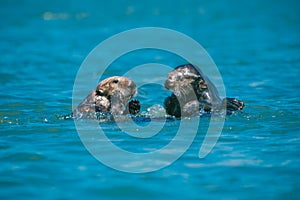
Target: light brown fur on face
{"x": 110, "y": 95}
{"x": 126, "y": 86}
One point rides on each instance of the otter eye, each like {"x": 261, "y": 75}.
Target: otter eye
{"x": 116, "y": 81}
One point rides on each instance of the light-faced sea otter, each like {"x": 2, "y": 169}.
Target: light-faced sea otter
{"x": 111, "y": 96}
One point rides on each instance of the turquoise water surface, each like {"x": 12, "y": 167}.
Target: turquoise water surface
{"x": 256, "y": 46}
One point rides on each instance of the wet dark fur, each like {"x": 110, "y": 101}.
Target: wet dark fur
{"x": 193, "y": 91}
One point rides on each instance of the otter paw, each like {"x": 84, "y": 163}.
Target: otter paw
{"x": 134, "y": 107}
{"x": 172, "y": 106}
{"x": 233, "y": 104}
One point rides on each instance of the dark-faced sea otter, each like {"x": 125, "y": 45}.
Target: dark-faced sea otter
{"x": 193, "y": 91}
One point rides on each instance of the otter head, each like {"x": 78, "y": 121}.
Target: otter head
{"x": 118, "y": 90}
{"x": 110, "y": 95}
{"x": 185, "y": 81}
{"x": 109, "y": 86}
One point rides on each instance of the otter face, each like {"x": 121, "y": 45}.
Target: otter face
{"x": 117, "y": 90}
{"x": 110, "y": 95}
{"x": 120, "y": 84}
{"x": 181, "y": 81}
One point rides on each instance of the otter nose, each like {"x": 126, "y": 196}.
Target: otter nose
{"x": 131, "y": 84}
{"x": 168, "y": 84}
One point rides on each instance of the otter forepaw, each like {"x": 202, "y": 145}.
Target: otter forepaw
{"x": 172, "y": 106}
{"x": 134, "y": 107}
{"x": 233, "y": 104}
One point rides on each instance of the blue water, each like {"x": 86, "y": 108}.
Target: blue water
{"x": 256, "y": 46}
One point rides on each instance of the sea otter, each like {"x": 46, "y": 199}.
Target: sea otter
{"x": 111, "y": 96}
{"x": 192, "y": 92}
